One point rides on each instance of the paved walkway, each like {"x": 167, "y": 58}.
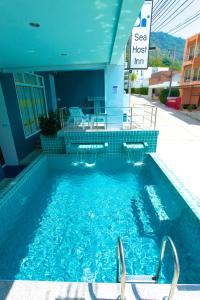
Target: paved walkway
{"x": 52, "y": 290}
{"x": 178, "y": 144}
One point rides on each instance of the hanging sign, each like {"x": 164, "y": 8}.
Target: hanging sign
{"x": 140, "y": 38}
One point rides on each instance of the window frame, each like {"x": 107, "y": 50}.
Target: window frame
{"x": 186, "y": 79}
{"x": 191, "y": 52}
{"x": 39, "y": 85}
{"x": 198, "y": 74}
{"x": 197, "y": 49}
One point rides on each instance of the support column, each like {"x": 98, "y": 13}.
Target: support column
{"x": 53, "y": 92}
{"x": 114, "y": 92}
{"x": 150, "y": 93}
{"x": 6, "y": 137}
{"x": 50, "y": 91}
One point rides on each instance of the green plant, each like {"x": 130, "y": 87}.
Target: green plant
{"x": 140, "y": 91}
{"x": 49, "y": 125}
{"x": 133, "y": 77}
{"x": 143, "y": 91}
{"x": 164, "y": 94}
{"x": 190, "y": 107}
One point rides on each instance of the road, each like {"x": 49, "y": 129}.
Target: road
{"x": 178, "y": 144}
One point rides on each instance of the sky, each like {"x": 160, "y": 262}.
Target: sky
{"x": 190, "y": 30}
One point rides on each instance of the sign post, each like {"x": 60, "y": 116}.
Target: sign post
{"x": 140, "y": 38}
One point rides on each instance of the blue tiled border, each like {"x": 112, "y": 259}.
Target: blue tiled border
{"x": 192, "y": 201}
{"x": 15, "y": 194}
{"x": 14, "y": 183}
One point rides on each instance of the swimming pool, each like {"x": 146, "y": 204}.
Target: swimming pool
{"x": 67, "y": 218}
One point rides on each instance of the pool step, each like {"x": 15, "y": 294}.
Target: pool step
{"x": 141, "y": 278}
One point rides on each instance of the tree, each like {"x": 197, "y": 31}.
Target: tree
{"x": 166, "y": 61}
{"x": 133, "y": 77}
{"x": 155, "y": 62}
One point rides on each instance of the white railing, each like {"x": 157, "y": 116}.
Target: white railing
{"x": 138, "y": 116}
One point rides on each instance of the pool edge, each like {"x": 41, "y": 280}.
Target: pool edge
{"x": 191, "y": 200}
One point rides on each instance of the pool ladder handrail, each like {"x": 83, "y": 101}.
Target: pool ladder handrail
{"x": 176, "y": 264}
{"x": 121, "y": 261}
{"x": 121, "y": 266}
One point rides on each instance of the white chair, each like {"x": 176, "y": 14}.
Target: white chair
{"x": 78, "y": 118}
{"x": 99, "y": 121}
{"x": 99, "y": 118}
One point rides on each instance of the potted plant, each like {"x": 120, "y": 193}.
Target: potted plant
{"x": 49, "y": 125}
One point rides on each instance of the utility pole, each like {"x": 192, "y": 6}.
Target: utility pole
{"x": 171, "y": 73}
{"x": 129, "y": 70}
{"x": 129, "y": 85}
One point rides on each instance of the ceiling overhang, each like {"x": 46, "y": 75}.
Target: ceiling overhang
{"x": 70, "y": 35}
{"x": 128, "y": 14}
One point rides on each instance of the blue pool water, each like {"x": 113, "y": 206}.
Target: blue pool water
{"x": 67, "y": 227}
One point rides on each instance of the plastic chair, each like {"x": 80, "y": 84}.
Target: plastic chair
{"x": 78, "y": 117}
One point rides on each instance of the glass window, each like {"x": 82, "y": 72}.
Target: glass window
{"x": 187, "y": 75}
{"x": 198, "y": 50}
{"x": 32, "y": 102}
{"x": 196, "y": 76}
{"x": 191, "y": 53}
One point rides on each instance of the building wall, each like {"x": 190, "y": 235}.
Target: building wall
{"x": 114, "y": 92}
{"x": 190, "y": 95}
{"x": 160, "y": 77}
{"x": 7, "y": 143}
{"x": 185, "y": 95}
{"x": 23, "y": 145}
{"x": 73, "y": 87}
{"x": 190, "y": 91}
{"x": 195, "y": 96}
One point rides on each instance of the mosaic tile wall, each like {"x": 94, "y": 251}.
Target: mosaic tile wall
{"x": 18, "y": 192}
{"x": 52, "y": 144}
{"x": 115, "y": 140}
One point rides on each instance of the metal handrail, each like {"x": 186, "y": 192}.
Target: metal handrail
{"x": 121, "y": 274}
{"x": 61, "y": 111}
{"x": 148, "y": 115}
{"x": 176, "y": 264}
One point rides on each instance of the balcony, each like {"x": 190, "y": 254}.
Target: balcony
{"x": 186, "y": 80}
{"x": 196, "y": 78}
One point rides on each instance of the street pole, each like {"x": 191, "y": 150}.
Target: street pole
{"x": 129, "y": 71}
{"x": 171, "y": 73}
{"x": 170, "y": 83}
{"x": 129, "y": 85}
